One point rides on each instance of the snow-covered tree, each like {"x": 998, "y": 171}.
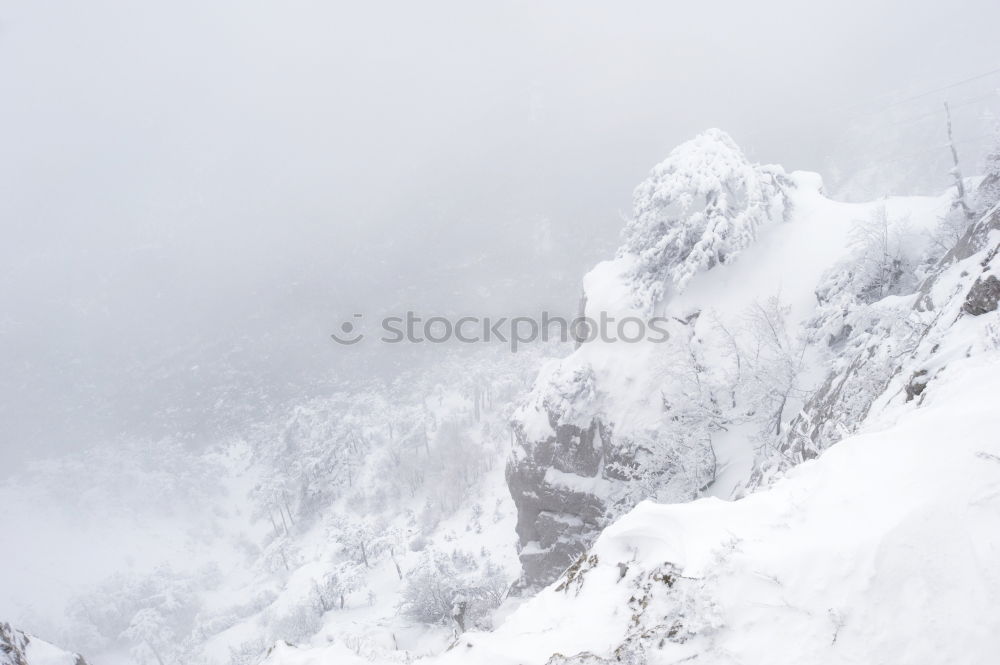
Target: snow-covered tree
{"x": 363, "y": 541}
{"x": 151, "y": 632}
{"x": 776, "y": 361}
{"x": 884, "y": 252}
{"x": 294, "y": 623}
{"x": 454, "y": 588}
{"x": 250, "y": 652}
{"x": 152, "y": 614}
{"x": 336, "y": 584}
{"x": 701, "y": 206}
{"x": 676, "y": 459}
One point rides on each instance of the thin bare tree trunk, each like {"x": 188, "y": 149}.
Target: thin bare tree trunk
{"x": 392, "y": 555}
{"x": 155, "y": 652}
{"x": 956, "y": 171}
{"x": 283, "y": 521}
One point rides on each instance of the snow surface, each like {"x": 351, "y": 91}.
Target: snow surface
{"x": 43, "y": 653}
{"x": 788, "y": 260}
{"x": 884, "y": 549}
{"x": 20, "y": 648}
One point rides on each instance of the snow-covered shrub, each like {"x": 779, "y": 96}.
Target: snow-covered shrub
{"x": 675, "y": 460}
{"x": 948, "y": 231}
{"x": 332, "y": 590}
{"x": 775, "y": 364}
{"x": 700, "y": 207}
{"x": 250, "y": 652}
{"x": 861, "y": 358}
{"x": 363, "y": 541}
{"x": 457, "y": 589}
{"x": 884, "y": 259}
{"x": 670, "y": 465}
{"x": 294, "y": 624}
{"x": 884, "y": 253}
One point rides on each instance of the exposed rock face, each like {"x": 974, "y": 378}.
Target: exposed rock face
{"x": 13, "y": 645}
{"x": 611, "y": 425}
{"x": 835, "y": 403}
{"x": 583, "y": 432}
{"x": 556, "y": 521}
{"x": 19, "y": 648}
{"x": 983, "y": 296}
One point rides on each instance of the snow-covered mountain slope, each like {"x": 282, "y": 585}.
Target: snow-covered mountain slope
{"x": 352, "y": 518}
{"x": 731, "y": 256}
{"x": 881, "y": 548}
{"x": 19, "y": 648}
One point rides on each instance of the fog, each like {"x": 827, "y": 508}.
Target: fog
{"x": 194, "y": 195}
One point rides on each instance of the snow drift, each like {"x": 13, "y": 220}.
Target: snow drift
{"x": 882, "y": 550}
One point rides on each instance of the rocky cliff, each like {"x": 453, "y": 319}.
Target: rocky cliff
{"x": 786, "y": 316}
{"x": 585, "y": 446}
{"x": 19, "y": 648}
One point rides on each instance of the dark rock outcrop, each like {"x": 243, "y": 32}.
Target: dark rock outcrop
{"x": 13, "y": 645}
{"x": 838, "y": 401}
{"x": 983, "y": 296}
{"x": 917, "y": 384}
{"x": 558, "y": 516}
{"x": 15, "y": 648}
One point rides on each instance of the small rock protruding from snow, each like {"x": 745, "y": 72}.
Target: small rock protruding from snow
{"x": 983, "y": 296}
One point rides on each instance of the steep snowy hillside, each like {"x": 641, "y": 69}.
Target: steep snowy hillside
{"x": 882, "y": 549}
{"x": 752, "y": 270}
